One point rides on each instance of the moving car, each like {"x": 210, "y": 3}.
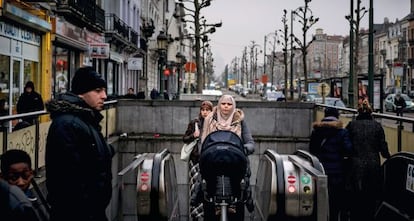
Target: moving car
{"x": 331, "y": 101}
{"x": 390, "y": 106}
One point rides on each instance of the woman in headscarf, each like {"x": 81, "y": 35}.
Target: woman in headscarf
{"x": 225, "y": 116}
{"x": 194, "y": 131}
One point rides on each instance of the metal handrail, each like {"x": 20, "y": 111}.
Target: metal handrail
{"x": 400, "y": 120}
{"x": 107, "y": 105}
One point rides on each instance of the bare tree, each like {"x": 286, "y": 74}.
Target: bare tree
{"x": 307, "y": 20}
{"x": 354, "y": 41}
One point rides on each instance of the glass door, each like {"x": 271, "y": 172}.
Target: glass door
{"x": 16, "y": 85}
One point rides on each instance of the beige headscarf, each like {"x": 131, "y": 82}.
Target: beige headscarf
{"x": 224, "y": 121}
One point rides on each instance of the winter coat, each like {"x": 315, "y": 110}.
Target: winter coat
{"x": 188, "y": 137}
{"x": 330, "y": 142}
{"x": 399, "y": 103}
{"x": 29, "y": 102}
{"x": 39, "y": 207}
{"x": 78, "y": 162}
{"x": 14, "y": 205}
{"x": 368, "y": 139}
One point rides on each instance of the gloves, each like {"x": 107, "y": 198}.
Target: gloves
{"x": 248, "y": 148}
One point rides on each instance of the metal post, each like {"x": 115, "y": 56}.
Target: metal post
{"x": 371, "y": 53}
{"x": 351, "y": 58}
{"x": 291, "y": 56}
{"x": 264, "y": 55}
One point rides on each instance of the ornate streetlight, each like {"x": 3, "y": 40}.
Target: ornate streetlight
{"x": 273, "y": 44}
{"x": 162, "y": 42}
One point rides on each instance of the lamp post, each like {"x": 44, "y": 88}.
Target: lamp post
{"x": 291, "y": 57}
{"x": 273, "y": 52}
{"x": 162, "y": 41}
{"x": 180, "y": 62}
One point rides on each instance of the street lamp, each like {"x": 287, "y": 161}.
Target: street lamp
{"x": 180, "y": 62}
{"x": 162, "y": 42}
{"x": 274, "y": 42}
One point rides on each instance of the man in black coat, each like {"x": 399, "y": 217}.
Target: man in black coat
{"x": 331, "y": 143}
{"x": 400, "y": 104}
{"x": 78, "y": 159}
{"x": 29, "y": 101}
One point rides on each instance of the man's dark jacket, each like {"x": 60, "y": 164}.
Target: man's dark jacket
{"x": 78, "y": 162}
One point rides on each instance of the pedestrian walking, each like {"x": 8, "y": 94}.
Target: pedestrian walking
{"x": 330, "y": 142}
{"x": 130, "y": 94}
{"x": 154, "y": 94}
{"x": 368, "y": 141}
{"x": 400, "y": 104}
{"x": 16, "y": 169}
{"x": 29, "y": 101}
{"x": 78, "y": 159}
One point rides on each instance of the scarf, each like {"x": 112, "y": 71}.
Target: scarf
{"x": 217, "y": 121}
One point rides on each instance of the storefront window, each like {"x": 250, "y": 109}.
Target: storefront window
{"x": 61, "y": 76}
{"x": 110, "y": 80}
{"x": 16, "y": 83}
{"x": 31, "y": 73}
{"x": 4, "y": 84}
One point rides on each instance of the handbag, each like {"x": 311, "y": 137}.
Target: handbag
{"x": 188, "y": 148}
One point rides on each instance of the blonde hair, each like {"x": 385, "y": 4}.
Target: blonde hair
{"x": 364, "y": 107}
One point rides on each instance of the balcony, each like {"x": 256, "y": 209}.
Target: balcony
{"x": 116, "y": 30}
{"x": 83, "y": 13}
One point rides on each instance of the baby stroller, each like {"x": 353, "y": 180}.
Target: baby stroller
{"x": 223, "y": 166}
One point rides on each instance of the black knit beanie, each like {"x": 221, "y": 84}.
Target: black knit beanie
{"x": 331, "y": 112}
{"x": 87, "y": 79}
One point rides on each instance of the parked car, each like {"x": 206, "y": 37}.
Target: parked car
{"x": 274, "y": 96}
{"x": 331, "y": 101}
{"x": 309, "y": 97}
{"x": 390, "y": 106}
{"x": 244, "y": 92}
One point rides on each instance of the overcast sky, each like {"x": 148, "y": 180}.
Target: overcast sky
{"x": 245, "y": 21}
